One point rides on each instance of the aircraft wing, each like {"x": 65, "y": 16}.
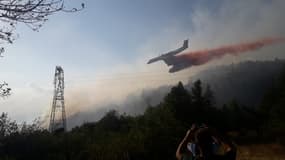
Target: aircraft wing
{"x": 154, "y": 59}
{"x": 167, "y": 58}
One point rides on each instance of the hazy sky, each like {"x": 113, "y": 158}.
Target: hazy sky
{"x": 104, "y": 48}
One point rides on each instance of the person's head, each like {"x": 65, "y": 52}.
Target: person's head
{"x": 203, "y": 139}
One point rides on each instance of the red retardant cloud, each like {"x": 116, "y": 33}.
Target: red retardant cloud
{"x": 204, "y": 56}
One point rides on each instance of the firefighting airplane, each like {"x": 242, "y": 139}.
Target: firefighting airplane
{"x": 171, "y": 60}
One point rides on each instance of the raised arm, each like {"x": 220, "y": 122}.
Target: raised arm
{"x": 178, "y": 151}
{"x": 183, "y": 142}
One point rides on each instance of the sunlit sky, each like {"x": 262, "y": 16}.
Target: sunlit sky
{"x": 111, "y": 38}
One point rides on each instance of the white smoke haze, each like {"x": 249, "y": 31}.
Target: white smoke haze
{"x": 124, "y": 87}
{"x": 23, "y": 110}
{"x": 233, "y": 22}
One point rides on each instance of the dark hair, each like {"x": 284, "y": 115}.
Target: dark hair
{"x": 204, "y": 141}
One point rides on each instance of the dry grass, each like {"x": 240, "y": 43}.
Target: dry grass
{"x": 261, "y": 152}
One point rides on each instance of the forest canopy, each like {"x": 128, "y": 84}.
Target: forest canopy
{"x": 154, "y": 134}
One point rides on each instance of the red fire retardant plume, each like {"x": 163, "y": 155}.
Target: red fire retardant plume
{"x": 204, "y": 56}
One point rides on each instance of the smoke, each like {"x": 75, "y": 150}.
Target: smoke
{"x": 233, "y": 21}
{"x": 203, "y": 56}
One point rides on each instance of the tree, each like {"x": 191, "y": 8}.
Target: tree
{"x": 7, "y": 126}
{"x": 33, "y": 13}
{"x": 111, "y": 121}
{"x": 209, "y": 96}
{"x": 4, "y": 90}
{"x": 197, "y": 94}
{"x": 179, "y": 101}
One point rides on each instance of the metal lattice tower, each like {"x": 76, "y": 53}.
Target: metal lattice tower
{"x": 57, "y": 116}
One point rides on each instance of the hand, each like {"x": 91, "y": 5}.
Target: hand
{"x": 193, "y": 126}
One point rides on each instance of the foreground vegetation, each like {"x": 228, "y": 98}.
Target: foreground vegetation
{"x": 261, "y": 152}
{"x": 154, "y": 134}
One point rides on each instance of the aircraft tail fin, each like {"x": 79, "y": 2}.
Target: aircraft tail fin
{"x": 185, "y": 43}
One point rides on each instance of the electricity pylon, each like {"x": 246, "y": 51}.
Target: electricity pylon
{"x": 57, "y": 116}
